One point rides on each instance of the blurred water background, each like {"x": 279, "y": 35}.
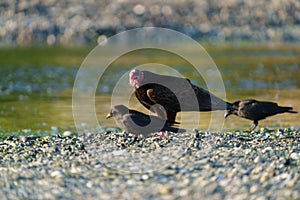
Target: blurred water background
{"x": 42, "y": 44}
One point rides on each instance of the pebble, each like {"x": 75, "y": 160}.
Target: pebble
{"x": 119, "y": 152}
{"x": 256, "y": 160}
{"x": 295, "y": 156}
{"x": 144, "y": 177}
{"x": 56, "y": 174}
{"x": 67, "y": 133}
{"x": 139, "y": 9}
{"x": 165, "y": 190}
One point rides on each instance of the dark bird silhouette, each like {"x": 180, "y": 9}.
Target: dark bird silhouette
{"x": 257, "y": 110}
{"x": 135, "y": 122}
{"x": 172, "y": 94}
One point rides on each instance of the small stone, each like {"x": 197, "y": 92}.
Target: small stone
{"x": 24, "y": 138}
{"x": 166, "y": 10}
{"x": 119, "y": 152}
{"x": 254, "y": 188}
{"x": 257, "y": 159}
{"x": 165, "y": 190}
{"x": 105, "y": 174}
{"x": 57, "y": 173}
{"x": 89, "y": 184}
{"x": 264, "y": 178}
{"x": 265, "y": 135}
{"x": 248, "y": 151}
{"x": 295, "y": 156}
{"x": 67, "y": 134}
{"x": 267, "y": 149}
{"x": 145, "y": 177}
{"x": 139, "y": 9}
{"x": 51, "y": 39}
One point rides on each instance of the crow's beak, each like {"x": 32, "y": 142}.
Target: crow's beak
{"x": 109, "y": 115}
{"x": 227, "y": 114}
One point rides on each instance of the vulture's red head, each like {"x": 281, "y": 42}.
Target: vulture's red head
{"x": 136, "y": 77}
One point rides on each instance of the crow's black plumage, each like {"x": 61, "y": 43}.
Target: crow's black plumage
{"x": 257, "y": 110}
{"x": 172, "y": 94}
{"x": 135, "y": 122}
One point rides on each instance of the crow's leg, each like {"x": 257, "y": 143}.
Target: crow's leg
{"x": 254, "y": 125}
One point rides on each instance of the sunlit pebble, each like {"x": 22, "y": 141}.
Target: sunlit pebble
{"x": 139, "y": 9}
{"x": 11, "y": 25}
{"x": 184, "y": 193}
{"x": 51, "y": 39}
{"x": 69, "y": 32}
{"x": 44, "y": 25}
{"x": 271, "y": 33}
{"x": 295, "y": 155}
{"x": 134, "y": 168}
{"x": 165, "y": 158}
{"x": 166, "y": 10}
{"x": 119, "y": 152}
{"x": 132, "y": 21}
{"x": 155, "y": 10}
{"x": 267, "y": 149}
{"x": 23, "y": 139}
{"x": 145, "y": 177}
{"x": 67, "y": 133}
{"x": 89, "y": 184}
{"x": 102, "y": 40}
{"x": 2, "y": 32}
{"x": 204, "y": 27}
{"x": 57, "y": 173}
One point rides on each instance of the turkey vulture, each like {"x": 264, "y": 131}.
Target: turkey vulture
{"x": 257, "y": 110}
{"x": 172, "y": 94}
{"x": 135, "y": 122}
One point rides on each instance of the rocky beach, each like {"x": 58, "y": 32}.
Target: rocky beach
{"x": 112, "y": 165}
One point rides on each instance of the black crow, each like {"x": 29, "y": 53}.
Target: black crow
{"x": 257, "y": 110}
